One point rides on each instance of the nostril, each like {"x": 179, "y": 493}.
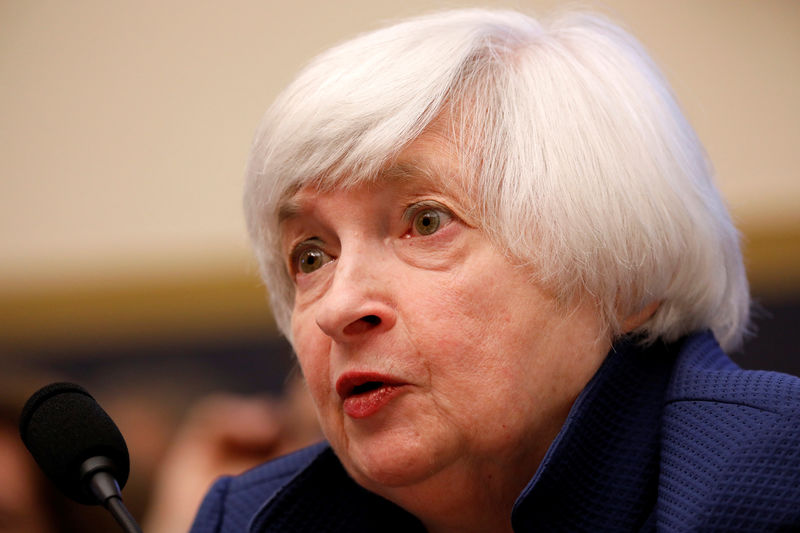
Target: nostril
{"x": 372, "y": 319}
{"x": 362, "y": 325}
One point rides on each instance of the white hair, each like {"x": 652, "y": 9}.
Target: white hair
{"x": 583, "y": 165}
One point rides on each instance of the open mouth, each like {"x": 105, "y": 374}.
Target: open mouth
{"x": 366, "y": 387}
{"x": 364, "y": 394}
{"x": 357, "y": 384}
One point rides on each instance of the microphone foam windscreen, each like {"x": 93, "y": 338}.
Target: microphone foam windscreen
{"x": 62, "y": 425}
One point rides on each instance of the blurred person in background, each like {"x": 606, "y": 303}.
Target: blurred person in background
{"x": 225, "y": 434}
{"x": 26, "y": 497}
{"x": 509, "y": 280}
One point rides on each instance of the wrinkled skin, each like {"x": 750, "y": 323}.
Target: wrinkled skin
{"x": 488, "y": 363}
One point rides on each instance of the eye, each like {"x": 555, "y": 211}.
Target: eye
{"x": 427, "y": 220}
{"x": 308, "y": 258}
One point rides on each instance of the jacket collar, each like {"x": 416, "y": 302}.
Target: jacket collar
{"x": 323, "y": 497}
{"x": 600, "y": 473}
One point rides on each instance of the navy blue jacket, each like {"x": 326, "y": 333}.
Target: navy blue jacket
{"x": 667, "y": 438}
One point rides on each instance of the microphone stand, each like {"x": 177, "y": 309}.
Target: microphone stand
{"x": 96, "y": 471}
{"x": 122, "y": 515}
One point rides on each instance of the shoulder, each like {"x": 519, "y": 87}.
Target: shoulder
{"x": 704, "y": 373}
{"x": 234, "y": 500}
{"x": 730, "y": 444}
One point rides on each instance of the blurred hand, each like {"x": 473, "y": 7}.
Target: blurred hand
{"x": 223, "y": 435}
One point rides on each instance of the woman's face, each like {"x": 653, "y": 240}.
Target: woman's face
{"x": 427, "y": 353}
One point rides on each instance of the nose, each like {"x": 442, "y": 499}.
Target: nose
{"x": 358, "y": 300}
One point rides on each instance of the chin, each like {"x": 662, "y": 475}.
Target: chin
{"x": 388, "y": 460}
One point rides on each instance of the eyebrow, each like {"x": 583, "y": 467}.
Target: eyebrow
{"x": 409, "y": 170}
{"x": 288, "y": 209}
{"x": 400, "y": 171}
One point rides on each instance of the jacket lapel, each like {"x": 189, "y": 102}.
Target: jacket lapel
{"x": 601, "y": 472}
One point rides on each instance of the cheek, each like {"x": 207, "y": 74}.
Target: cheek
{"x": 492, "y": 335}
{"x": 489, "y": 311}
{"x": 469, "y": 331}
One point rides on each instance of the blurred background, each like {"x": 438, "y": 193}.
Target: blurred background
{"x": 124, "y": 263}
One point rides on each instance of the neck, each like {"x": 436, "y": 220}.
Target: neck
{"x": 464, "y": 506}
{"x": 478, "y": 496}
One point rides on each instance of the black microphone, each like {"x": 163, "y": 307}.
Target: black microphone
{"x": 78, "y": 447}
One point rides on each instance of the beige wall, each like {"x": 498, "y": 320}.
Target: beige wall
{"x": 125, "y": 125}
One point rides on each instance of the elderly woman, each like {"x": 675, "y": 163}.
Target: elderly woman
{"x": 496, "y": 248}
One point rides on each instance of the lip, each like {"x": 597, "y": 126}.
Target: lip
{"x": 365, "y": 393}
